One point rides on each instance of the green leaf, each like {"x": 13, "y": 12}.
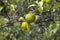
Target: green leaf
{"x": 31, "y": 1}
{"x": 18, "y": 1}
{"x": 2, "y": 21}
{"x": 46, "y": 7}
{"x": 56, "y": 5}
{"x": 39, "y": 4}
{"x": 49, "y": 31}
{"x": 40, "y": 9}
{"x": 1, "y": 7}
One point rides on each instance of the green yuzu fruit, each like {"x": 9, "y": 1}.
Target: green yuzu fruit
{"x": 30, "y": 17}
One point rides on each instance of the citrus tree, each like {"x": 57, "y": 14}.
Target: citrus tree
{"x": 29, "y": 20}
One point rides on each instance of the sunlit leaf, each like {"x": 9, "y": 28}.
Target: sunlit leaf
{"x": 40, "y": 9}
{"x": 31, "y": 5}
{"x": 1, "y": 7}
{"x": 40, "y": 3}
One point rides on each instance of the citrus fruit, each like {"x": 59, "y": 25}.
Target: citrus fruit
{"x": 30, "y": 17}
{"x": 25, "y": 26}
{"x": 48, "y": 1}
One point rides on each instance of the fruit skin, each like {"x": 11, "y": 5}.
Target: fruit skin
{"x": 30, "y": 17}
{"x": 48, "y": 1}
{"x": 25, "y": 26}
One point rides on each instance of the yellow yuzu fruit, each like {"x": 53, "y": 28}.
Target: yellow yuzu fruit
{"x": 25, "y": 26}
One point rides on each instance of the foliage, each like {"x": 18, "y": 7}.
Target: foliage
{"x": 42, "y": 24}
